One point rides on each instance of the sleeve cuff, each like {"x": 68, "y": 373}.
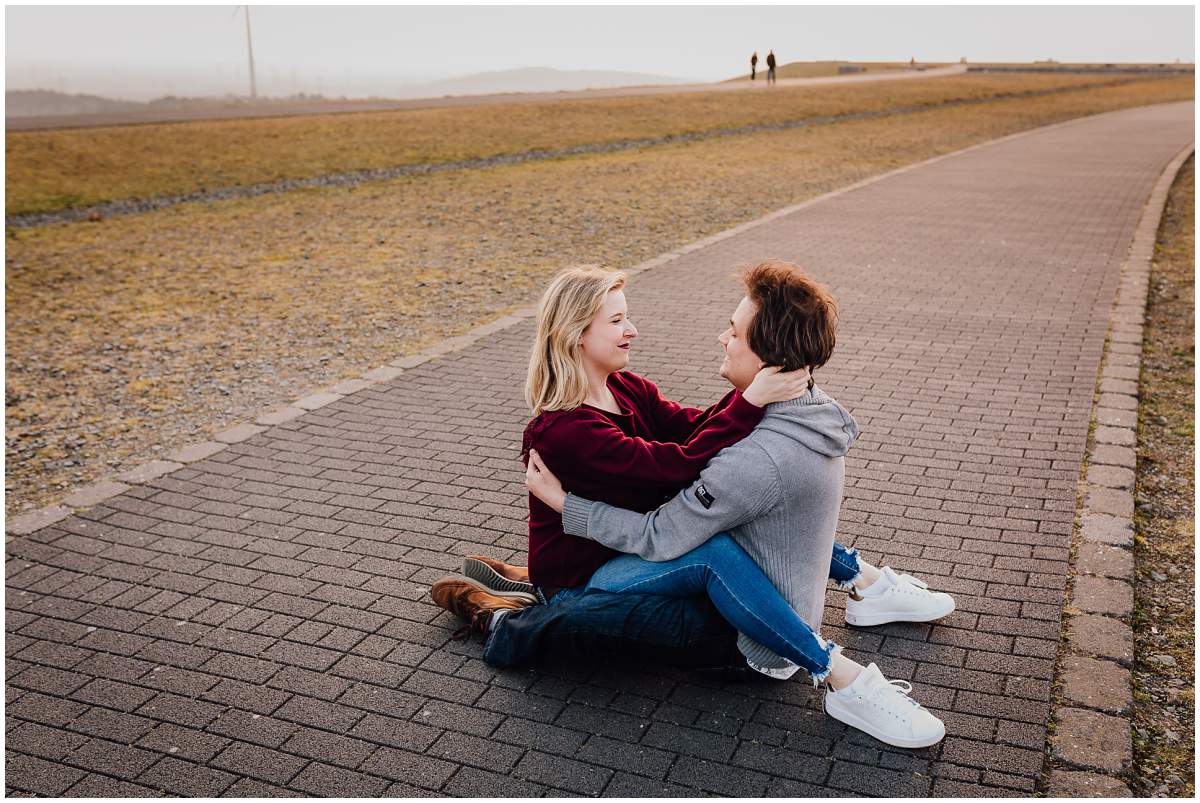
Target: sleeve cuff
{"x": 575, "y": 515}
{"x": 742, "y": 410}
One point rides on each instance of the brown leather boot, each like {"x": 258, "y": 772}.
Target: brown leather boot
{"x": 469, "y": 600}
{"x": 496, "y": 574}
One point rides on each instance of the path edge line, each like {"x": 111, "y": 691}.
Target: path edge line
{"x": 113, "y": 485}
{"x": 1091, "y": 736}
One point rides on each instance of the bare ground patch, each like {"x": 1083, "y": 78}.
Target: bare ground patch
{"x": 1165, "y": 519}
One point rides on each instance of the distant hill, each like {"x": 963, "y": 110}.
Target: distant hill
{"x": 46, "y": 103}
{"x": 533, "y": 79}
{"x": 38, "y": 102}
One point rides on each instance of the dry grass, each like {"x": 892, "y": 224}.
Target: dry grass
{"x": 1164, "y": 613}
{"x": 51, "y": 170}
{"x": 151, "y": 329}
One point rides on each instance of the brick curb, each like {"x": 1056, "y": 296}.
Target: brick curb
{"x": 1092, "y": 740}
{"x": 105, "y": 488}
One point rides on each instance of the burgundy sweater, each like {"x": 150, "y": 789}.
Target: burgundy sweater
{"x": 636, "y": 459}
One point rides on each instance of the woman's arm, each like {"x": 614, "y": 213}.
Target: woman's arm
{"x": 609, "y": 452}
{"x": 675, "y": 423}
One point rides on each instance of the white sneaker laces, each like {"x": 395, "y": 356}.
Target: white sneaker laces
{"x": 915, "y": 581}
{"x": 901, "y": 687}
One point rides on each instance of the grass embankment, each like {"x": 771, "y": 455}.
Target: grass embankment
{"x": 148, "y": 329}
{"x": 823, "y": 69}
{"x": 51, "y": 170}
{"x": 1164, "y": 550}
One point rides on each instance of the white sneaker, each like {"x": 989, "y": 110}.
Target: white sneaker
{"x": 901, "y": 598}
{"x": 883, "y": 709}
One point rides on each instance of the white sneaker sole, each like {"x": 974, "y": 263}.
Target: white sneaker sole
{"x": 857, "y": 722}
{"x": 518, "y": 596}
{"x": 480, "y": 572}
{"x": 887, "y": 617}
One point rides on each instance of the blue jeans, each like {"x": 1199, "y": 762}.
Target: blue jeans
{"x": 843, "y": 567}
{"x": 597, "y": 626}
{"x": 594, "y": 625}
{"x": 736, "y": 585}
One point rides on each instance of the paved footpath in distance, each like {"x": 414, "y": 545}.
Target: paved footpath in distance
{"x": 258, "y": 621}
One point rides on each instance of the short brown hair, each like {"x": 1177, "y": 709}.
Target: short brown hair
{"x": 795, "y": 325}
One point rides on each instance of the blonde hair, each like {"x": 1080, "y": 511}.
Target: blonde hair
{"x": 556, "y": 380}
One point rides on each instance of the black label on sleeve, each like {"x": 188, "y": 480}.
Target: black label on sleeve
{"x": 704, "y": 496}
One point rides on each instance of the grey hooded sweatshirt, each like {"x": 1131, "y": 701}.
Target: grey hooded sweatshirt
{"x": 778, "y": 492}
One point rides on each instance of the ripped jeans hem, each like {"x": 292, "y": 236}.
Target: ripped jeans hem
{"x": 819, "y": 677}
{"x": 848, "y": 585}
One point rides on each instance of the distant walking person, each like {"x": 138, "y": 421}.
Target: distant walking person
{"x": 753, "y": 65}
{"x": 770, "y": 66}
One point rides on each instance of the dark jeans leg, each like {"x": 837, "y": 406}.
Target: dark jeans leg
{"x": 596, "y": 625}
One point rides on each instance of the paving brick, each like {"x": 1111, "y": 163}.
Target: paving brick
{"x": 316, "y": 401}
{"x": 259, "y": 762}
{"x": 690, "y": 741}
{"x": 308, "y": 711}
{"x": 1100, "y": 595}
{"x": 180, "y": 710}
{"x": 1101, "y": 528}
{"x": 184, "y": 743}
{"x": 27, "y": 523}
{"x": 197, "y": 451}
{"x": 1104, "y": 560}
{"x": 279, "y": 416}
{"x": 38, "y": 740}
{"x": 237, "y": 434}
{"x": 102, "y": 786}
{"x": 1113, "y": 417}
{"x": 528, "y": 733}
{"x": 1120, "y": 456}
{"x": 1109, "y": 501}
{"x": 184, "y": 779}
{"x": 46, "y": 778}
{"x": 477, "y": 783}
{"x": 253, "y": 728}
{"x": 148, "y": 471}
{"x": 1098, "y": 684}
{"x": 633, "y": 786}
{"x": 422, "y": 771}
{"x": 115, "y": 725}
{"x": 562, "y": 773}
{"x": 1101, "y": 636}
{"x": 714, "y": 777}
{"x": 1092, "y": 740}
{"x": 44, "y": 709}
{"x": 1066, "y": 783}
{"x": 94, "y": 494}
{"x": 110, "y": 758}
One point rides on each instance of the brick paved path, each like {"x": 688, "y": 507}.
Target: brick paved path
{"x": 257, "y": 622}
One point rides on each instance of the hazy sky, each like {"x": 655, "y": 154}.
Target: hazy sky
{"x": 154, "y": 49}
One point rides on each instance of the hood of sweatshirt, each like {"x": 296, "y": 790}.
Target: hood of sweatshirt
{"x": 814, "y": 420}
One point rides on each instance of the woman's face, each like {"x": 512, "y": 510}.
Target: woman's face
{"x": 605, "y": 344}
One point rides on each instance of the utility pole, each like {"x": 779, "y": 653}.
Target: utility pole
{"x": 250, "y": 54}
